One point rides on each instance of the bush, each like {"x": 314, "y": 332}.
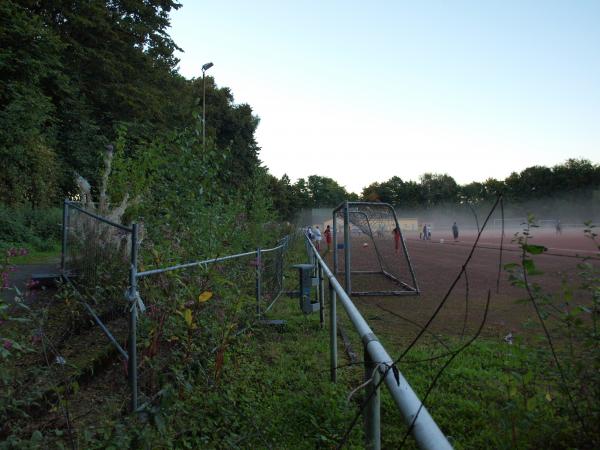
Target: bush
{"x": 40, "y": 229}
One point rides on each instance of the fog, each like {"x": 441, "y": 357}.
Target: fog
{"x": 572, "y": 210}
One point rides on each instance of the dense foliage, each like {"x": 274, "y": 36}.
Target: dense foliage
{"x": 73, "y": 75}
{"x": 535, "y": 182}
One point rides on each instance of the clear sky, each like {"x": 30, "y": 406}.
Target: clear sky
{"x": 363, "y": 91}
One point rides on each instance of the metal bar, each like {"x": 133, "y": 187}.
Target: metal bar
{"x": 383, "y": 293}
{"x": 425, "y": 431}
{"x": 268, "y": 250}
{"x": 405, "y": 249}
{"x": 372, "y": 412}
{"x": 366, "y": 272}
{"x": 258, "y": 280}
{"x": 347, "y": 279}
{"x": 273, "y": 302}
{"x": 133, "y": 320}
{"x": 332, "y": 333}
{"x": 105, "y": 330}
{"x": 63, "y": 253}
{"x": 193, "y": 264}
{"x": 100, "y": 218}
{"x": 321, "y": 294}
{"x": 335, "y": 249}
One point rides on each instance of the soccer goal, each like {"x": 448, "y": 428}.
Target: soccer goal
{"x": 367, "y": 251}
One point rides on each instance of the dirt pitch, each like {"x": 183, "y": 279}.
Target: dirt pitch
{"x": 437, "y": 263}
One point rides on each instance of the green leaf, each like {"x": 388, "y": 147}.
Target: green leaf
{"x": 530, "y": 268}
{"x": 534, "y": 249}
{"x": 528, "y": 265}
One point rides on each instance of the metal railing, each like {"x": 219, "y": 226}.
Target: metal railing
{"x": 378, "y": 365}
{"x": 87, "y": 237}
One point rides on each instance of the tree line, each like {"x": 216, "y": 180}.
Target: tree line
{"x": 578, "y": 178}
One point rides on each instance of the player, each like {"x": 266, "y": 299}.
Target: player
{"x": 318, "y": 238}
{"x": 396, "y": 232}
{"x": 455, "y": 231}
{"x": 327, "y": 234}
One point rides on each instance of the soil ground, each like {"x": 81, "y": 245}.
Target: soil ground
{"x": 437, "y": 263}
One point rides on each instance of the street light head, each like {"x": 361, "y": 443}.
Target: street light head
{"x": 207, "y": 66}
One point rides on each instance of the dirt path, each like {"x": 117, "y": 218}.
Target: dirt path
{"x": 22, "y": 275}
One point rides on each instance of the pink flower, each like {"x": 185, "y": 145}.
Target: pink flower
{"x": 7, "y": 344}
{"x": 23, "y": 252}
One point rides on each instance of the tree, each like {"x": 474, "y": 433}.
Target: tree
{"x": 325, "y": 192}
{"x": 437, "y": 189}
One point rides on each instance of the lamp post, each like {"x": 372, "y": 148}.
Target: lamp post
{"x": 205, "y": 67}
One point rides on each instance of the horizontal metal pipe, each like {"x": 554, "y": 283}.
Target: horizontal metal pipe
{"x": 201, "y": 263}
{"x": 268, "y": 250}
{"x": 97, "y": 217}
{"x": 425, "y": 431}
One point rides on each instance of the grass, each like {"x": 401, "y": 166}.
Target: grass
{"x": 275, "y": 392}
{"x": 50, "y": 253}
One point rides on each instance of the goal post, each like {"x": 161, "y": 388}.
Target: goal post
{"x": 374, "y": 262}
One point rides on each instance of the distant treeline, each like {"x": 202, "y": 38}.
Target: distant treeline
{"x": 576, "y": 180}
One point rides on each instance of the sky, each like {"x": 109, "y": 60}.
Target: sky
{"x": 363, "y": 91}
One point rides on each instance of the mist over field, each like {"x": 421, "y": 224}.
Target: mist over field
{"x": 571, "y": 209}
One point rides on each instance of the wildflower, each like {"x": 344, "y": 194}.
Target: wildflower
{"x": 7, "y": 344}
{"x": 23, "y": 252}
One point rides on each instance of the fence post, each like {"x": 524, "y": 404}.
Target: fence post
{"x": 63, "y": 253}
{"x": 372, "y": 413}
{"x": 321, "y": 294}
{"x": 334, "y": 239}
{"x": 258, "y": 280}
{"x": 347, "y": 279}
{"x": 132, "y": 350}
{"x": 333, "y": 332}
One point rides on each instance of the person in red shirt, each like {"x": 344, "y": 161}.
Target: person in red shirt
{"x": 327, "y": 234}
{"x": 397, "y": 238}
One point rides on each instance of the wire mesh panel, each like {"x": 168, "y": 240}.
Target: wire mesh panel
{"x": 96, "y": 264}
{"x": 97, "y": 259}
{"x": 374, "y": 251}
{"x": 273, "y": 262}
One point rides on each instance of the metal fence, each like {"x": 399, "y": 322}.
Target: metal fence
{"x": 379, "y": 367}
{"x": 100, "y": 261}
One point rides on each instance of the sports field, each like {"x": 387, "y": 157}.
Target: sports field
{"x": 437, "y": 263}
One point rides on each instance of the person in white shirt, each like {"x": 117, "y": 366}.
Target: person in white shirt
{"x": 318, "y": 238}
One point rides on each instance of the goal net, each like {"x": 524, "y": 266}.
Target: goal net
{"x": 373, "y": 260}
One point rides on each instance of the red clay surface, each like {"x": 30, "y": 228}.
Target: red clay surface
{"x": 438, "y": 262}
